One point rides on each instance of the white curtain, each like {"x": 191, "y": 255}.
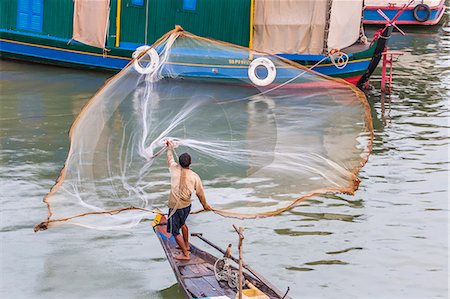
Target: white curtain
{"x": 90, "y": 22}
{"x": 345, "y": 22}
{"x": 289, "y": 26}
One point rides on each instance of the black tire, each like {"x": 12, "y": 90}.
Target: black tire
{"x": 422, "y": 7}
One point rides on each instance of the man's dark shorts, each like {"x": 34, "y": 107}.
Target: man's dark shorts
{"x": 177, "y": 220}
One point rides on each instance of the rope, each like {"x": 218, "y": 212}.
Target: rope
{"x": 338, "y": 58}
{"x": 44, "y": 225}
{"x": 226, "y": 273}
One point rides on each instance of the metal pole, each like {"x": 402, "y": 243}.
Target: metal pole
{"x": 146, "y": 23}
{"x": 119, "y": 6}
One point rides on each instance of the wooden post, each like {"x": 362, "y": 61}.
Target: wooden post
{"x": 240, "y": 232}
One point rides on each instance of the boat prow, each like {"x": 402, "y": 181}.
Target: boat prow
{"x": 198, "y": 276}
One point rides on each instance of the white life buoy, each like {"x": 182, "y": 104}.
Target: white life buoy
{"x": 268, "y": 65}
{"x": 151, "y": 66}
{"x": 139, "y": 50}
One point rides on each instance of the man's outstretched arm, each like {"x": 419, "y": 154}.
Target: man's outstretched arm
{"x": 170, "y": 159}
{"x": 201, "y": 195}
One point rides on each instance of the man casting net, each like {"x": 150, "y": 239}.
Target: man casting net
{"x": 263, "y": 134}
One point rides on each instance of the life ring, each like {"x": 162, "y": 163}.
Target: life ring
{"x": 139, "y": 50}
{"x": 152, "y": 65}
{"x": 422, "y": 7}
{"x": 268, "y": 65}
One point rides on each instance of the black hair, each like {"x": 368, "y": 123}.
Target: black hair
{"x": 185, "y": 160}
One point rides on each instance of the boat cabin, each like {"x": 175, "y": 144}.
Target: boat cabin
{"x": 290, "y": 26}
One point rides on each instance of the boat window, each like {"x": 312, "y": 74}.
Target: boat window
{"x": 189, "y": 4}
{"x": 137, "y": 2}
{"x": 29, "y": 15}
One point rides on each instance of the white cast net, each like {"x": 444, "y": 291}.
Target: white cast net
{"x": 263, "y": 135}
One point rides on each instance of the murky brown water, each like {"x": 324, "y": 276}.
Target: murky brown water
{"x": 390, "y": 240}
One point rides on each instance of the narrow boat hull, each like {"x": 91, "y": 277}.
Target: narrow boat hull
{"x": 36, "y": 48}
{"x": 196, "y": 277}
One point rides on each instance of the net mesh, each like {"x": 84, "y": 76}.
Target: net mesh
{"x": 263, "y": 134}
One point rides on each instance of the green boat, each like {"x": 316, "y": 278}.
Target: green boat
{"x": 323, "y": 35}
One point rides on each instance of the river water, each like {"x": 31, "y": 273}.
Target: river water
{"x": 389, "y": 240}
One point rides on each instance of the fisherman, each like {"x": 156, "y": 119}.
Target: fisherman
{"x": 183, "y": 182}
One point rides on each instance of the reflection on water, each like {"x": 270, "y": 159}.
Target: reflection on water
{"x": 388, "y": 240}
{"x": 327, "y": 216}
{"x": 345, "y": 250}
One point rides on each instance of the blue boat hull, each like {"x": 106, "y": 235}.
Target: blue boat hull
{"x": 41, "y": 49}
{"x": 410, "y": 16}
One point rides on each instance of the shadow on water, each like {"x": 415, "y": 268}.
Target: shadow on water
{"x": 171, "y": 292}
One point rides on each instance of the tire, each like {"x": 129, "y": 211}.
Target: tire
{"x": 422, "y": 7}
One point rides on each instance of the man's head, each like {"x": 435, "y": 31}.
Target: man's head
{"x": 185, "y": 160}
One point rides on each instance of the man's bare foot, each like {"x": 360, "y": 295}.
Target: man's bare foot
{"x": 179, "y": 248}
{"x": 182, "y": 257}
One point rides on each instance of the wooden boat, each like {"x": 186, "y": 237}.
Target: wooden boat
{"x": 43, "y": 31}
{"x": 197, "y": 276}
{"x": 420, "y": 12}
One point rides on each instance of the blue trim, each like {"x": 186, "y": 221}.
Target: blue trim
{"x": 163, "y": 236}
{"x": 47, "y": 37}
{"x": 59, "y": 55}
{"x": 282, "y": 74}
{"x": 216, "y": 53}
{"x": 313, "y": 58}
{"x": 351, "y": 67}
{"x": 129, "y": 46}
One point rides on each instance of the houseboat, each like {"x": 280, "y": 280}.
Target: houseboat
{"x": 323, "y": 35}
{"x": 417, "y": 12}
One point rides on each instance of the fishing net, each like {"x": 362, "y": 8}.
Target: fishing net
{"x": 263, "y": 134}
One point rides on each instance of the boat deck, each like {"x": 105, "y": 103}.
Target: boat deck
{"x": 196, "y": 276}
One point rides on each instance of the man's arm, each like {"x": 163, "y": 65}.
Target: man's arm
{"x": 201, "y": 195}
{"x": 170, "y": 159}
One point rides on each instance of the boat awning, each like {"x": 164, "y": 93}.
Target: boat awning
{"x": 90, "y": 22}
{"x": 306, "y": 26}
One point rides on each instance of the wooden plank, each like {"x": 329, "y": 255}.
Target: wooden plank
{"x": 194, "y": 268}
{"x": 203, "y": 287}
{"x": 195, "y": 271}
{"x": 189, "y": 276}
{"x": 204, "y": 269}
{"x": 193, "y": 261}
{"x": 186, "y": 270}
{"x": 195, "y": 290}
{"x": 214, "y": 284}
